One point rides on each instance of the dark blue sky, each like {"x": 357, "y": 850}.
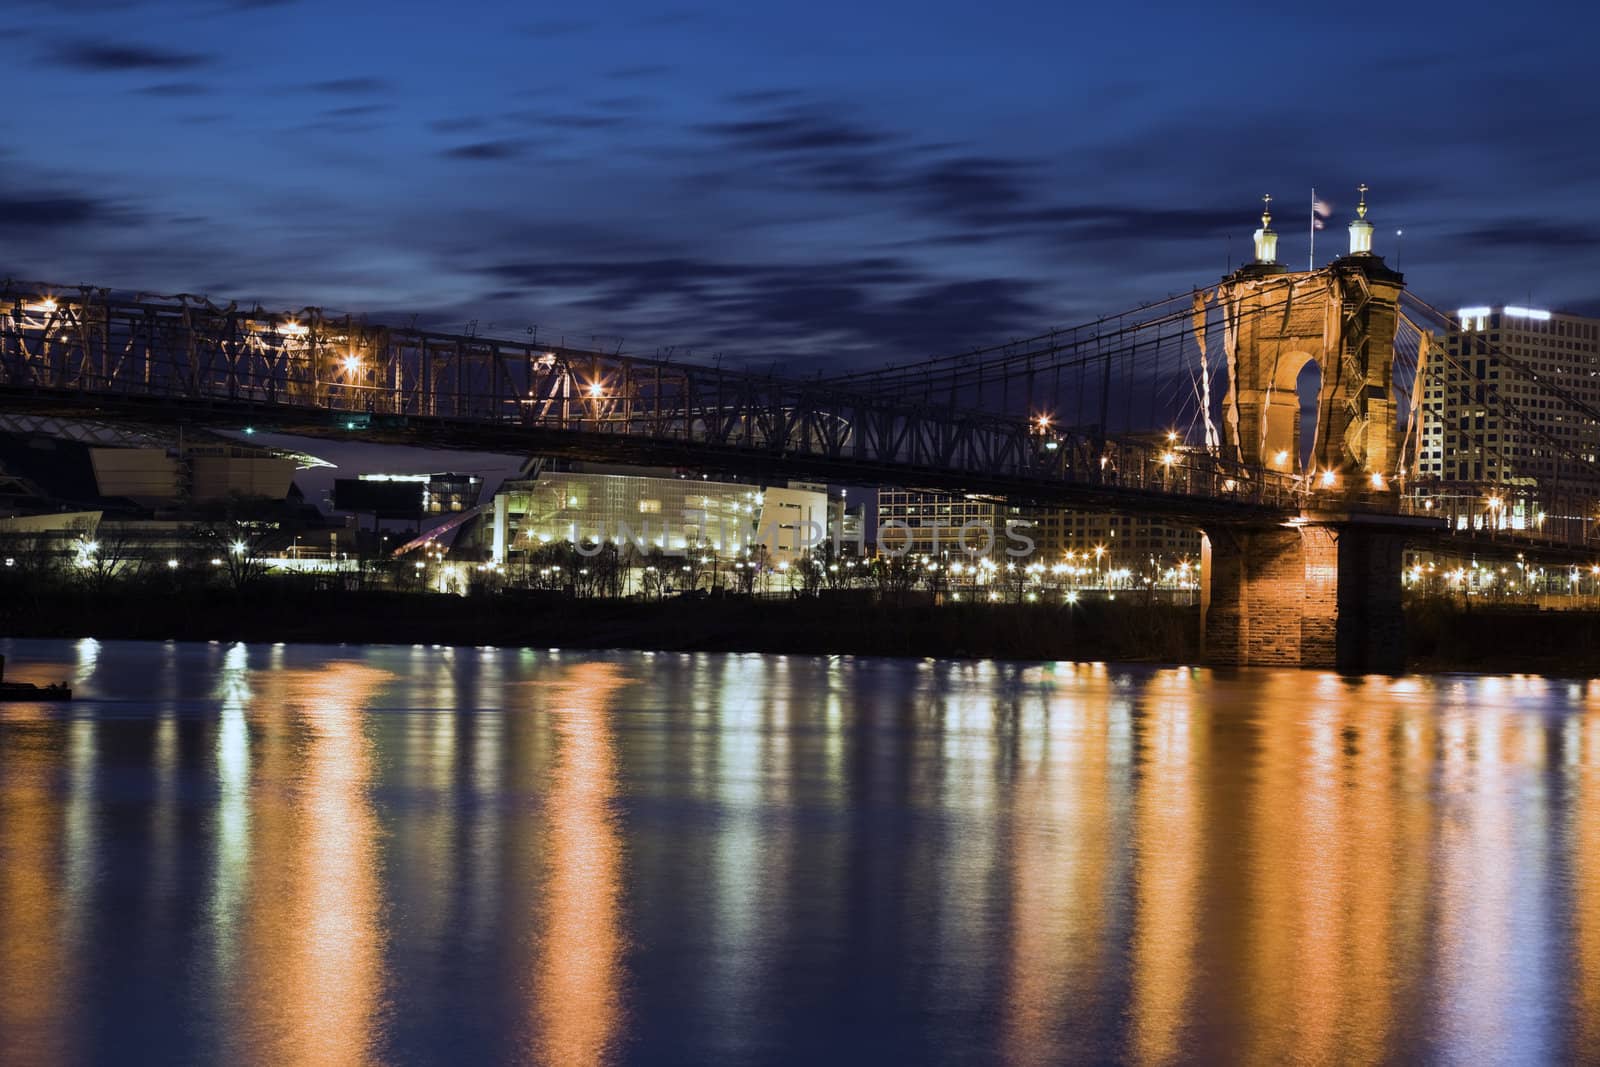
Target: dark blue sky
{"x": 855, "y": 181}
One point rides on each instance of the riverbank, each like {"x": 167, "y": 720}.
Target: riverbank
{"x": 1445, "y": 636}
{"x": 1442, "y": 636}
{"x": 848, "y": 624}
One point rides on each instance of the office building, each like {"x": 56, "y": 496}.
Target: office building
{"x": 1532, "y": 433}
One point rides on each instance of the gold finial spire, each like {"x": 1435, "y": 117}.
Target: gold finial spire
{"x": 1361, "y": 208}
{"x": 1266, "y": 210}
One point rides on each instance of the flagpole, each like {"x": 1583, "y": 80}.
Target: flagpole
{"x": 1311, "y": 260}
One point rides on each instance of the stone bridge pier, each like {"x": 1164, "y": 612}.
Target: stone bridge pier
{"x": 1322, "y": 591}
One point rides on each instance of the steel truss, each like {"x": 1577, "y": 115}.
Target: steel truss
{"x": 88, "y": 347}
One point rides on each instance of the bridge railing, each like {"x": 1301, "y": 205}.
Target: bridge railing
{"x": 1499, "y": 513}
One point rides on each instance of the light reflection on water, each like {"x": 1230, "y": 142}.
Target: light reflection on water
{"x": 275, "y": 854}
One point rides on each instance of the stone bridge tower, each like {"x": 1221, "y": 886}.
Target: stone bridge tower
{"x": 1324, "y": 589}
{"x": 1343, "y": 319}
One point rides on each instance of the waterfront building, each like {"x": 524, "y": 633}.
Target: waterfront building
{"x": 656, "y": 508}
{"x": 1486, "y": 422}
{"x": 1134, "y": 539}
{"x": 932, "y": 524}
{"x": 793, "y": 520}
{"x": 647, "y": 506}
{"x": 936, "y": 524}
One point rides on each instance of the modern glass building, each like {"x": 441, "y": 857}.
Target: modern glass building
{"x": 654, "y": 509}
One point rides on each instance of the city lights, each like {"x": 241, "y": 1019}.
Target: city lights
{"x": 352, "y": 364}
{"x": 1329, "y": 479}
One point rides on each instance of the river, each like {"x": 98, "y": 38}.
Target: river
{"x": 371, "y": 854}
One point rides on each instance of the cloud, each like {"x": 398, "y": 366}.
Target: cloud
{"x": 1532, "y": 233}
{"x": 458, "y": 124}
{"x": 48, "y": 212}
{"x": 557, "y": 28}
{"x": 795, "y": 132}
{"x": 676, "y": 17}
{"x": 355, "y": 110}
{"x": 757, "y": 97}
{"x": 569, "y": 122}
{"x": 487, "y": 150}
{"x": 962, "y": 196}
{"x": 639, "y": 70}
{"x": 624, "y": 103}
{"x": 174, "y": 89}
{"x": 110, "y": 57}
{"x": 349, "y": 86}
{"x": 882, "y": 305}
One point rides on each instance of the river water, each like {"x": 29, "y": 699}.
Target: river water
{"x": 321, "y": 855}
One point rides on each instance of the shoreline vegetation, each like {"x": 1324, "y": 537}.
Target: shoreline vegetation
{"x": 1442, "y": 635}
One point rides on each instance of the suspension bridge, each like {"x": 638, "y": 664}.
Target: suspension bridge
{"x": 1193, "y": 408}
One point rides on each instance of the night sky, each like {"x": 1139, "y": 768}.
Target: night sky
{"x": 819, "y": 182}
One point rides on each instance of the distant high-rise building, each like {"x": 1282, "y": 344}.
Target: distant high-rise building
{"x": 1531, "y": 434}
{"x": 931, "y": 523}
{"x": 924, "y": 523}
{"x": 1131, "y": 539}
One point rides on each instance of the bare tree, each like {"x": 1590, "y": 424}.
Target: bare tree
{"x": 699, "y": 565}
{"x": 108, "y": 553}
{"x": 893, "y": 576}
{"x": 654, "y": 575}
{"x": 234, "y": 548}
{"x": 750, "y": 567}
{"x": 806, "y": 574}
{"x": 30, "y": 557}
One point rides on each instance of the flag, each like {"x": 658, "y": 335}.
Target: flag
{"x": 1321, "y": 207}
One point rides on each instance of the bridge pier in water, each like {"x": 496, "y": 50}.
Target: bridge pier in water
{"x": 1321, "y": 592}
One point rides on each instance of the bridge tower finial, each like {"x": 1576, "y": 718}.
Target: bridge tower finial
{"x": 1361, "y": 229}
{"x": 1266, "y": 239}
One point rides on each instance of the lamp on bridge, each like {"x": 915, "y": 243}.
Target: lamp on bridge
{"x": 1361, "y": 229}
{"x": 1266, "y": 239}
